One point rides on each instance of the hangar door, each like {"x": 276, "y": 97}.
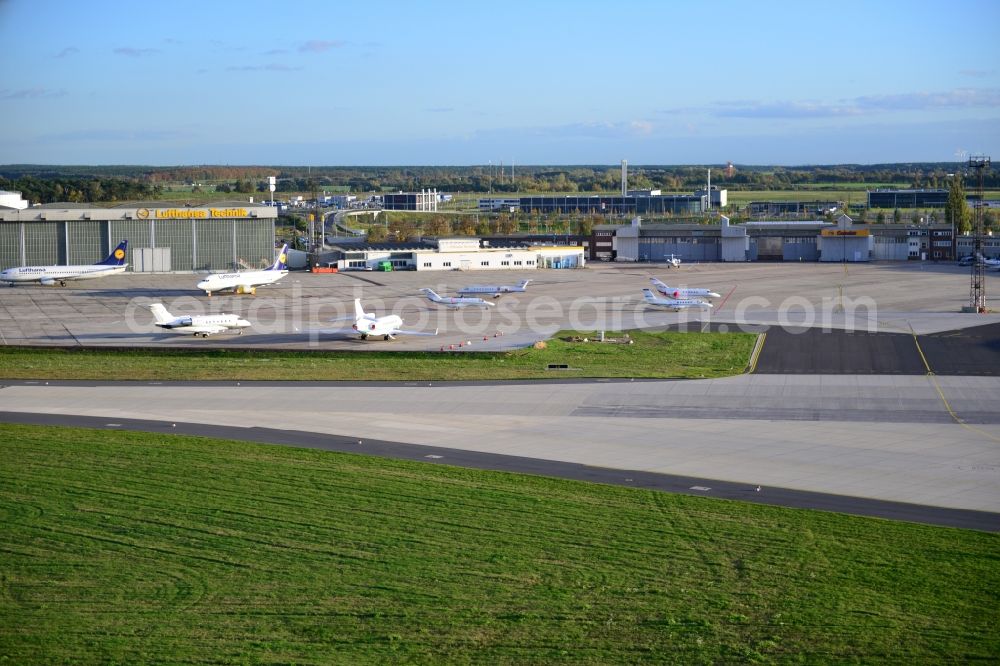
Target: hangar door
{"x": 770, "y": 248}
{"x": 801, "y": 248}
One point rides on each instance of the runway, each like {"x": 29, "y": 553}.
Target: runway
{"x": 899, "y": 439}
{"x": 975, "y": 520}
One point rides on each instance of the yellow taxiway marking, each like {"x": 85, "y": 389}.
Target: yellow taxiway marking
{"x": 937, "y": 387}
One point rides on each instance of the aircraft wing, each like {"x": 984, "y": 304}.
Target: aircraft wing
{"x": 400, "y": 331}
{"x": 200, "y": 329}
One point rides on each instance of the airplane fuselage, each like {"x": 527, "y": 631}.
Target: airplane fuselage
{"x": 682, "y": 292}
{"x": 378, "y": 326}
{"x": 244, "y": 282}
{"x": 495, "y": 290}
{"x": 49, "y": 275}
{"x": 675, "y": 304}
{"x": 205, "y": 325}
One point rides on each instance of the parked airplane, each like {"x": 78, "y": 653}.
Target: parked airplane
{"x": 495, "y": 289}
{"x": 673, "y": 262}
{"x": 246, "y": 282}
{"x": 682, "y": 292}
{"x": 388, "y": 326}
{"x": 203, "y": 325}
{"x": 990, "y": 263}
{"x": 52, "y": 275}
{"x": 675, "y": 304}
{"x": 455, "y": 302}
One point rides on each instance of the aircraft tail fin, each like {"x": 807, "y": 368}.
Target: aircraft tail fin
{"x": 160, "y": 313}
{"x": 280, "y": 261}
{"x": 359, "y": 312}
{"x": 648, "y": 295}
{"x": 524, "y": 283}
{"x": 659, "y": 284}
{"x": 117, "y": 256}
{"x": 431, "y": 294}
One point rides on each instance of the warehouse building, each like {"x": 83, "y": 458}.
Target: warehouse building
{"x": 162, "y": 238}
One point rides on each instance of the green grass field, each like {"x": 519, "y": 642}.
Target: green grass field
{"x": 121, "y": 547}
{"x": 664, "y": 355}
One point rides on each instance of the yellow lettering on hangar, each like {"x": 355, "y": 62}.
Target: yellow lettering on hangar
{"x": 229, "y": 212}
{"x": 177, "y": 213}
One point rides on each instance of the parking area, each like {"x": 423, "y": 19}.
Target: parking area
{"x": 296, "y": 312}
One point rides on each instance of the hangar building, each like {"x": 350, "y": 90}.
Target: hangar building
{"x": 216, "y": 237}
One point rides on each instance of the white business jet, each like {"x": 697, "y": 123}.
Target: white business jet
{"x": 673, "y": 262}
{"x": 368, "y": 325}
{"x": 675, "y": 304}
{"x": 495, "y": 289}
{"x": 990, "y": 263}
{"x": 53, "y": 275}
{"x": 203, "y": 325}
{"x": 246, "y": 282}
{"x": 455, "y": 302}
{"x": 682, "y": 292}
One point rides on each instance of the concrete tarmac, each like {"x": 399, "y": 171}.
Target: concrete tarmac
{"x": 774, "y": 496}
{"x": 295, "y": 313}
{"x": 914, "y": 439}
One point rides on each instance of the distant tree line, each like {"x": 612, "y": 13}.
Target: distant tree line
{"x": 112, "y": 183}
{"x": 80, "y": 190}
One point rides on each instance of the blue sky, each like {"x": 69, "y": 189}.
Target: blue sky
{"x": 459, "y": 83}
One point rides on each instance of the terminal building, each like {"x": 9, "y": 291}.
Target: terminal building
{"x": 424, "y": 201}
{"x": 162, "y": 238}
{"x": 816, "y": 240}
{"x": 634, "y": 203}
{"x": 936, "y": 198}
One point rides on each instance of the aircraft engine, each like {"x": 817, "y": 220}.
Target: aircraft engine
{"x": 48, "y": 282}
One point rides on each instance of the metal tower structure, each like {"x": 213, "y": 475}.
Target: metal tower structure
{"x": 977, "y": 281}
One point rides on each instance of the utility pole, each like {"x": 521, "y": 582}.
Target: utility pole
{"x": 977, "y": 281}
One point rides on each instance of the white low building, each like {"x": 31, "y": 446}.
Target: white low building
{"x": 457, "y": 254}
{"x": 12, "y": 200}
{"x": 466, "y": 254}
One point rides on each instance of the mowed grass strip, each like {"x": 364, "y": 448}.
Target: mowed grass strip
{"x": 662, "y": 355}
{"x": 121, "y": 547}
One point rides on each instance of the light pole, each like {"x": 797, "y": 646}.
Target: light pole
{"x": 951, "y": 214}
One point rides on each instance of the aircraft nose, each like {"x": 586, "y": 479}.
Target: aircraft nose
{"x": 715, "y": 295}
{"x": 202, "y": 284}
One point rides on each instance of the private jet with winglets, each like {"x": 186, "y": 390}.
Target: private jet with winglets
{"x": 203, "y": 325}
{"x": 246, "y": 282}
{"x": 369, "y": 326}
{"x": 50, "y": 276}
{"x": 682, "y": 292}
{"x": 455, "y": 301}
{"x": 990, "y": 263}
{"x": 495, "y": 289}
{"x": 675, "y": 304}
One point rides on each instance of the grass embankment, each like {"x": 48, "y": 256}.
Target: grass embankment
{"x": 664, "y": 355}
{"x": 122, "y": 547}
